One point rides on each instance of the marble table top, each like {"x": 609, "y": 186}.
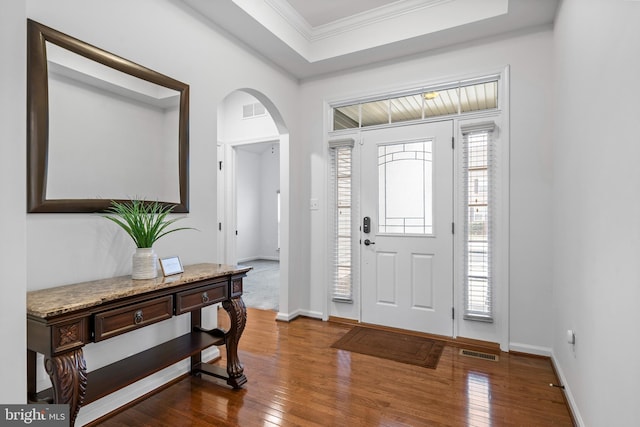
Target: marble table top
{"x": 47, "y": 303}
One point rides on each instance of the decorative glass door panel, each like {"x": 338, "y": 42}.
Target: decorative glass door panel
{"x": 405, "y": 188}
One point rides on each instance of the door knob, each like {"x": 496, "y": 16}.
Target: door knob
{"x": 368, "y": 242}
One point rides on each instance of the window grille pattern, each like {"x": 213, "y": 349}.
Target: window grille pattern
{"x": 478, "y": 239}
{"x": 405, "y": 190}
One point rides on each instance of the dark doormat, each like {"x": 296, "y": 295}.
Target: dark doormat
{"x": 395, "y": 346}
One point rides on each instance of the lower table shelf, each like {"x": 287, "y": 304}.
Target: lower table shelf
{"x": 115, "y": 376}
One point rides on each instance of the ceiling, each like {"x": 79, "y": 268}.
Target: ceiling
{"x": 318, "y": 12}
{"x": 310, "y": 38}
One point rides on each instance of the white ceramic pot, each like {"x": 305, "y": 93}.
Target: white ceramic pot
{"x": 145, "y": 264}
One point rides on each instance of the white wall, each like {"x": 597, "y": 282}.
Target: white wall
{"x": 74, "y": 247}
{"x": 12, "y": 193}
{"x": 257, "y": 183}
{"x": 269, "y": 187}
{"x": 596, "y": 209}
{"x": 236, "y": 129}
{"x": 83, "y": 143}
{"x": 248, "y": 204}
{"x": 65, "y": 248}
{"x": 529, "y": 57}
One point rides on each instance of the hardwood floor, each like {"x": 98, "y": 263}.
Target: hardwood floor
{"x": 297, "y": 379}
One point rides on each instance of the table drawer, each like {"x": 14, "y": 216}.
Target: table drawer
{"x": 201, "y": 297}
{"x": 120, "y": 320}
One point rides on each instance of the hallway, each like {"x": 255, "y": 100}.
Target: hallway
{"x": 262, "y": 285}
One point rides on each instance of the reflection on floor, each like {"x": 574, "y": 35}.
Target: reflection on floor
{"x": 297, "y": 379}
{"x": 261, "y": 287}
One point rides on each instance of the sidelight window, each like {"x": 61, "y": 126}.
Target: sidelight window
{"x": 341, "y": 187}
{"x": 478, "y": 228}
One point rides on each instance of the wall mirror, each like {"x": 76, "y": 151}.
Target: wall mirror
{"x": 101, "y": 128}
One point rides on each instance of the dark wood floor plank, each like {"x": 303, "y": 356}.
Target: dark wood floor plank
{"x": 297, "y": 379}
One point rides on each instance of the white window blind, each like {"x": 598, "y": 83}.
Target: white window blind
{"x": 341, "y": 219}
{"x": 479, "y": 205}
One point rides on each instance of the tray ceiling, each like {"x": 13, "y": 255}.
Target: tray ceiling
{"x": 310, "y": 38}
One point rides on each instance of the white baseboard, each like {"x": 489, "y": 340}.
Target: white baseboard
{"x": 531, "y": 349}
{"x": 255, "y": 258}
{"x": 287, "y": 317}
{"x": 544, "y": 351}
{"x": 115, "y": 400}
{"x": 208, "y": 354}
{"x": 567, "y": 392}
{"x": 312, "y": 314}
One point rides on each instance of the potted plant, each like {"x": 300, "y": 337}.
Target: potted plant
{"x": 145, "y": 222}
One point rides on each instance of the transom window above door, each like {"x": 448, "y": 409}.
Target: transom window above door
{"x": 443, "y": 100}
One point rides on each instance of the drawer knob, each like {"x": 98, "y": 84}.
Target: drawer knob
{"x": 205, "y": 297}
{"x": 137, "y": 317}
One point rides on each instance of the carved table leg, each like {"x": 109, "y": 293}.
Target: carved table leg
{"x": 68, "y": 372}
{"x": 238, "y": 316}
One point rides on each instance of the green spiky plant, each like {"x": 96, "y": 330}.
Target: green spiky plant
{"x": 145, "y": 222}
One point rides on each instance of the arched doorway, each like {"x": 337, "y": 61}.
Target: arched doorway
{"x": 250, "y": 126}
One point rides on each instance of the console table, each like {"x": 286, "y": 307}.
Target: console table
{"x": 61, "y": 320}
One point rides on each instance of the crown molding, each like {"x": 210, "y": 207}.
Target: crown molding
{"x": 290, "y": 15}
{"x": 350, "y": 23}
{"x": 373, "y": 16}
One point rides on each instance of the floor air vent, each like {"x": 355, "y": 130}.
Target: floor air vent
{"x": 479, "y": 355}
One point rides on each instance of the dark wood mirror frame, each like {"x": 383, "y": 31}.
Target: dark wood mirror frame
{"x": 38, "y": 119}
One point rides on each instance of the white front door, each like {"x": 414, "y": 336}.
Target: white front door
{"x": 406, "y": 187}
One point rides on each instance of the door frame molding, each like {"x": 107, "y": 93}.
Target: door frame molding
{"x": 501, "y": 334}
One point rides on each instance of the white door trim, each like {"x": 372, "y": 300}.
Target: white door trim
{"x": 501, "y": 333}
